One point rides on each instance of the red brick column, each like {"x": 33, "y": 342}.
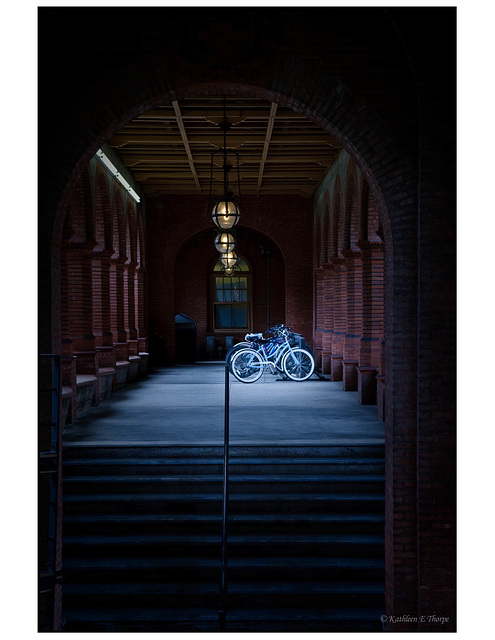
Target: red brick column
{"x": 118, "y": 286}
{"x": 81, "y": 329}
{"x": 319, "y": 317}
{"x": 117, "y": 276}
{"x": 354, "y": 319}
{"x": 325, "y": 314}
{"x": 370, "y": 348}
{"x": 101, "y": 299}
{"x": 130, "y": 306}
{"x": 140, "y": 307}
{"x": 80, "y": 297}
{"x": 339, "y": 296}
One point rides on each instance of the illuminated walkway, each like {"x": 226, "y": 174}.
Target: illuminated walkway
{"x": 185, "y": 405}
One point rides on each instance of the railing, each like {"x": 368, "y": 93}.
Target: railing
{"x": 49, "y": 405}
{"x": 222, "y": 612}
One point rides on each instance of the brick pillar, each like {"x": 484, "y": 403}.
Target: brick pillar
{"x": 117, "y": 273}
{"x": 102, "y": 322}
{"x": 130, "y": 304}
{"x": 380, "y": 384}
{"x": 339, "y": 299}
{"x": 326, "y": 316}
{"x": 118, "y": 286}
{"x": 130, "y": 275}
{"x": 370, "y": 348}
{"x": 354, "y": 319}
{"x": 80, "y": 296}
{"x": 370, "y": 389}
{"x": 140, "y": 303}
{"x": 318, "y": 317}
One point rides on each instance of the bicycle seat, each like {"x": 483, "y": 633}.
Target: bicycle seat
{"x": 253, "y": 336}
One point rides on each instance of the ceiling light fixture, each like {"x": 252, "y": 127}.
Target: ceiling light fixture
{"x": 224, "y": 242}
{"x": 115, "y": 172}
{"x": 229, "y": 260}
{"x": 225, "y": 213}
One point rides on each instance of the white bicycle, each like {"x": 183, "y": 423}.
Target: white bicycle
{"x": 275, "y": 354}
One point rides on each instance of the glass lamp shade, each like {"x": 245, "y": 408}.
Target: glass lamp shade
{"x": 228, "y": 271}
{"x": 225, "y": 213}
{"x": 225, "y": 242}
{"x": 229, "y": 259}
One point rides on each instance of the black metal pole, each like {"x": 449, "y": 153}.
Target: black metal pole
{"x": 268, "y": 288}
{"x": 225, "y": 501}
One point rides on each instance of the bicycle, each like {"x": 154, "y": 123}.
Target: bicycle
{"x": 275, "y": 353}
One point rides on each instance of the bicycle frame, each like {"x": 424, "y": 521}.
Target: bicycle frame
{"x": 275, "y": 353}
{"x": 272, "y": 352}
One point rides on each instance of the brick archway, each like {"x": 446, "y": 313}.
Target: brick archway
{"x": 381, "y": 174}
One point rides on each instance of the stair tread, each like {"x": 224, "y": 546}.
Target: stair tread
{"x": 219, "y": 478}
{"x": 216, "y": 461}
{"x": 143, "y": 563}
{"x": 211, "y": 496}
{"x": 197, "y": 613}
{"x": 235, "y": 587}
{"x": 194, "y": 517}
{"x": 201, "y": 538}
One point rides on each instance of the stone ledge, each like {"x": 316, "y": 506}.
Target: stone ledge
{"x": 107, "y": 375}
{"x": 133, "y": 367}
{"x": 122, "y": 367}
{"x": 84, "y": 379}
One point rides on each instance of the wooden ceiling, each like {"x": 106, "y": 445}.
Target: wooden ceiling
{"x": 169, "y": 149}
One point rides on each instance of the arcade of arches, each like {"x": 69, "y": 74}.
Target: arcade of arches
{"x": 364, "y": 269}
{"x": 338, "y": 274}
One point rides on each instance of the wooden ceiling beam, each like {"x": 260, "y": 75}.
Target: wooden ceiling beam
{"x": 186, "y": 143}
{"x": 127, "y": 139}
{"x": 266, "y": 144}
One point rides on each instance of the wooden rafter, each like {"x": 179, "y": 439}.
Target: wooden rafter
{"x": 169, "y": 149}
{"x": 266, "y": 145}
{"x": 186, "y": 142}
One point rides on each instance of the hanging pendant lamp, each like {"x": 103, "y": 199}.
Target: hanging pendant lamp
{"x": 229, "y": 259}
{"x": 226, "y": 212}
{"x": 224, "y": 242}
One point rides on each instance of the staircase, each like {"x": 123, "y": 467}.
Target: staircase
{"x": 142, "y": 538}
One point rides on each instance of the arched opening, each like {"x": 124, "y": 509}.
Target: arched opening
{"x": 194, "y": 269}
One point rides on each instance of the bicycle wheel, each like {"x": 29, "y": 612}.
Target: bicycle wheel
{"x": 247, "y": 365}
{"x": 298, "y": 364}
{"x": 232, "y": 351}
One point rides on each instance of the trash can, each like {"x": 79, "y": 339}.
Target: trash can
{"x": 185, "y": 339}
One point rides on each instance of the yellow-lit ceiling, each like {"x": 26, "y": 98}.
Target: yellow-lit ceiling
{"x": 169, "y": 149}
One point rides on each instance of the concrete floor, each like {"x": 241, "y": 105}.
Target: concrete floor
{"x": 185, "y": 405}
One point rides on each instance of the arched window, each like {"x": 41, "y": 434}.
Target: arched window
{"x": 231, "y": 298}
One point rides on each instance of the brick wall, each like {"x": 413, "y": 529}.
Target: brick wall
{"x": 178, "y": 280}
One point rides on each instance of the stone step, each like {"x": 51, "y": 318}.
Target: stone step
{"x": 188, "y": 466}
{"x": 305, "y": 587}
{"x": 178, "y": 570}
{"x": 158, "y": 523}
{"x": 280, "y": 594}
{"x": 241, "y": 503}
{"x": 214, "y": 483}
{"x": 202, "y": 545}
{"x": 240, "y": 619}
{"x": 77, "y": 451}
